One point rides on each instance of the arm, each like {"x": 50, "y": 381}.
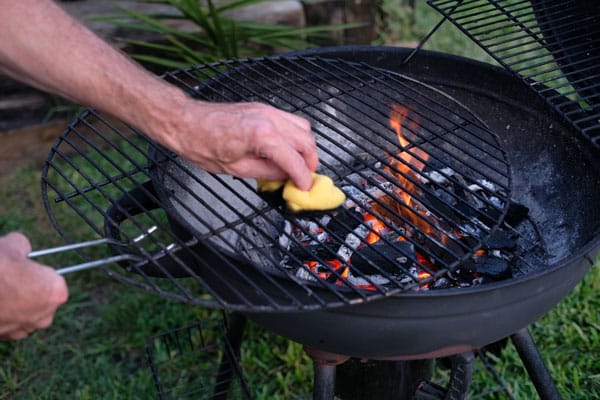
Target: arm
{"x": 42, "y": 45}
{"x": 46, "y": 48}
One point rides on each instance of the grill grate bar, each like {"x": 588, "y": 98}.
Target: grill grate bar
{"x": 94, "y": 203}
{"x": 465, "y": 126}
{"x": 372, "y": 74}
{"x": 235, "y": 226}
{"x": 354, "y": 170}
{"x": 122, "y": 190}
{"x": 551, "y": 46}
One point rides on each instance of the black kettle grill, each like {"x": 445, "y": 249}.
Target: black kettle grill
{"x": 501, "y": 224}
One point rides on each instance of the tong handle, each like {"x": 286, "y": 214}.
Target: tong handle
{"x": 95, "y": 263}
{"x": 90, "y": 243}
{"x": 68, "y": 247}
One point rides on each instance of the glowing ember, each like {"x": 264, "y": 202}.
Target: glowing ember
{"x": 387, "y": 231}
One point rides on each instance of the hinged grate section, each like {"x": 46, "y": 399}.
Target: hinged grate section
{"x": 551, "y": 45}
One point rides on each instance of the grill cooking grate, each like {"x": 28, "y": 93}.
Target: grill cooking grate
{"x": 553, "y": 46}
{"x": 216, "y": 242}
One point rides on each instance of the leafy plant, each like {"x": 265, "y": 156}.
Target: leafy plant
{"x": 215, "y": 37}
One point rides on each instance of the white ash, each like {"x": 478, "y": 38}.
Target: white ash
{"x": 487, "y": 184}
{"x": 373, "y": 279}
{"x": 284, "y": 238}
{"x": 353, "y": 241}
{"x": 363, "y": 191}
{"x": 304, "y": 273}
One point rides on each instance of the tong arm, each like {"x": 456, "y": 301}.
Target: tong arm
{"x": 90, "y": 243}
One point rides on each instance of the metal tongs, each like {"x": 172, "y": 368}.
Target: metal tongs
{"x": 91, "y": 243}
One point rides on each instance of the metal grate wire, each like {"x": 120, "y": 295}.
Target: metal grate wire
{"x": 196, "y": 362}
{"x": 553, "y": 46}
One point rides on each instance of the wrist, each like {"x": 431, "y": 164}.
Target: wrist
{"x": 160, "y": 115}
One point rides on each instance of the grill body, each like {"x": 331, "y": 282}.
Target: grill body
{"x": 554, "y": 174}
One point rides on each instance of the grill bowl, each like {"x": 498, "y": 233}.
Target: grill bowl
{"x": 554, "y": 174}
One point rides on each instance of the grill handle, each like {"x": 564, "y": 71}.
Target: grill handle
{"x": 167, "y": 263}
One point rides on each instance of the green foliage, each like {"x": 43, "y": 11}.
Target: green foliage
{"x": 400, "y": 24}
{"x": 214, "y": 37}
{"x": 96, "y": 347}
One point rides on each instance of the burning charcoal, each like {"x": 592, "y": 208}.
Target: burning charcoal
{"x": 516, "y": 214}
{"x": 303, "y": 273}
{"x": 464, "y": 273}
{"x": 442, "y": 283}
{"x": 495, "y": 268}
{"x": 324, "y": 251}
{"x": 343, "y": 222}
{"x": 491, "y": 267}
{"x": 383, "y": 257}
{"x": 442, "y": 204}
{"x": 489, "y": 216}
{"x": 439, "y": 177}
{"x": 352, "y": 241}
{"x": 284, "y": 239}
{"x": 501, "y": 240}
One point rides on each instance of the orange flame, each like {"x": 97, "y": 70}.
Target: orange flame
{"x": 376, "y": 225}
{"x": 423, "y": 275}
{"x": 335, "y": 265}
{"x": 411, "y": 161}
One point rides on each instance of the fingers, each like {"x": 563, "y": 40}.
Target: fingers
{"x": 250, "y": 140}
{"x": 289, "y": 145}
{"x": 30, "y": 293}
{"x": 301, "y": 139}
{"x": 17, "y": 332}
{"x": 291, "y": 164}
{"x": 15, "y": 244}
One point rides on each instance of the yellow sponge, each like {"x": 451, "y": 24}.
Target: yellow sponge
{"x": 265, "y": 185}
{"x": 322, "y": 196}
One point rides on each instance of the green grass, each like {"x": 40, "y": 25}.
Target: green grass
{"x": 96, "y": 347}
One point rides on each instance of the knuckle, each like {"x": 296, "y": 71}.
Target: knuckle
{"x": 17, "y": 335}
{"x": 59, "y": 293}
{"x": 45, "y": 322}
{"x": 16, "y": 243}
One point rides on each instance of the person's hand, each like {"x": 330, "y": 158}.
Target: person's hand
{"x": 30, "y": 292}
{"x": 249, "y": 140}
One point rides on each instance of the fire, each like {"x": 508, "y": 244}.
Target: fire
{"x": 423, "y": 275}
{"x": 405, "y": 166}
{"x": 376, "y": 225}
{"x": 334, "y": 265}
{"x": 413, "y": 158}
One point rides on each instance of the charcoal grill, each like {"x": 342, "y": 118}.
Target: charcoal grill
{"x": 468, "y": 122}
{"x": 264, "y": 253}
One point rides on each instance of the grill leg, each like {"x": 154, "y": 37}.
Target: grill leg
{"x": 324, "y": 383}
{"x": 231, "y": 353}
{"x": 324, "y": 365}
{"x": 535, "y": 366}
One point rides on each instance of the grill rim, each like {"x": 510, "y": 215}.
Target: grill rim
{"x": 462, "y": 289}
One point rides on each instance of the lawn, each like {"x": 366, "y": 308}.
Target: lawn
{"x": 96, "y": 348}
